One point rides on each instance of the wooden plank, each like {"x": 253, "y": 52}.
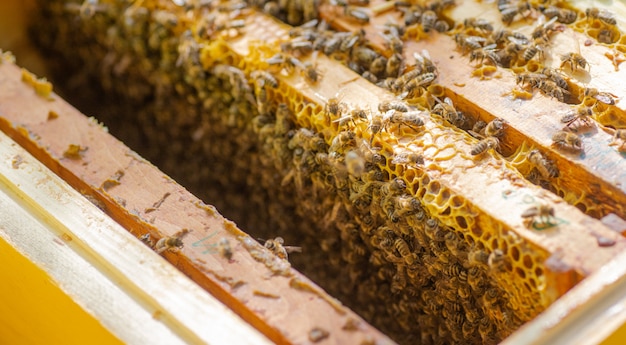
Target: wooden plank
{"x": 124, "y": 285}
{"x": 146, "y": 201}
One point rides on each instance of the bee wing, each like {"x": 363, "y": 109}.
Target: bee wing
{"x": 517, "y": 40}
{"x": 293, "y": 249}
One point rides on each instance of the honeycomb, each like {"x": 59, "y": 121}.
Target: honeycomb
{"x": 380, "y": 208}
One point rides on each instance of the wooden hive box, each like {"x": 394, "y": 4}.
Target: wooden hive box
{"x": 408, "y": 217}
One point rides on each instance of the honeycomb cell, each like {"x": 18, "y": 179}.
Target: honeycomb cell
{"x": 515, "y": 254}
{"x": 528, "y": 261}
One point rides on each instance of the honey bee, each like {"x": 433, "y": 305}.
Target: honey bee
{"x": 387, "y": 105}
{"x": 433, "y": 231}
{"x": 375, "y": 126}
{"x": 441, "y": 26}
{"x": 478, "y": 23}
{"x": 341, "y": 142}
{"x": 264, "y": 78}
{"x": 428, "y": 20}
{"x": 395, "y": 186}
{"x": 422, "y": 80}
{"x": 567, "y": 140}
{"x": 277, "y": 247}
{"x": 355, "y": 115}
{"x": 497, "y": 261}
{"x": 542, "y": 33}
{"x": 455, "y": 246}
{"x": 509, "y": 11}
{"x": 490, "y": 297}
{"x": 310, "y": 72}
{"x": 504, "y": 36}
{"x": 487, "y": 52}
{"x": 574, "y": 61}
{"x": 363, "y": 56}
{"x": 546, "y": 168}
{"x": 495, "y": 128}
{"x": 394, "y": 65}
{"x": 476, "y": 280}
{"x": 556, "y": 77}
{"x": 469, "y": 43}
{"x": 410, "y": 158}
{"x": 602, "y": 15}
{"x": 582, "y": 117}
{"x": 619, "y": 136}
{"x": 378, "y": 66}
{"x": 484, "y": 145}
{"x": 405, "y": 252}
{"x": 409, "y": 119}
{"x": 335, "y": 107}
{"x": 532, "y": 51}
{"x": 225, "y": 249}
{"x": 87, "y": 9}
{"x": 356, "y": 14}
{"x": 173, "y": 242}
{"x": 550, "y": 88}
{"x": 298, "y": 47}
{"x": 446, "y": 110}
{"x": 607, "y": 36}
{"x": 355, "y": 164}
{"x": 563, "y": 15}
{"x": 308, "y": 140}
{"x": 478, "y": 257}
{"x": 545, "y": 213}
{"x": 604, "y": 97}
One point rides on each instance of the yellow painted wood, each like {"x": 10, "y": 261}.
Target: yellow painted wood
{"x": 34, "y": 310}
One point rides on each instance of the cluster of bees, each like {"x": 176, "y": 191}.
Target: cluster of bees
{"x": 367, "y": 238}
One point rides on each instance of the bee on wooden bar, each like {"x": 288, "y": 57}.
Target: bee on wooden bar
{"x": 567, "y": 140}
{"x": 574, "y": 61}
{"x": 582, "y": 117}
{"x": 602, "y": 15}
{"x": 619, "y": 140}
{"x": 532, "y": 51}
{"x": 310, "y": 72}
{"x": 556, "y": 77}
{"x": 509, "y": 10}
{"x": 487, "y": 52}
{"x": 277, "y": 247}
{"x": 531, "y": 79}
{"x": 469, "y": 43}
{"x": 422, "y": 80}
{"x": 504, "y": 36}
{"x": 550, "y": 88}
{"x": 546, "y": 168}
{"x": 356, "y": 14}
{"x": 225, "y": 249}
{"x": 173, "y": 242}
{"x": 604, "y": 97}
{"x": 563, "y": 15}
{"x": 544, "y": 212}
{"x": 428, "y": 20}
{"x": 484, "y": 145}
{"x": 355, "y": 115}
{"x": 478, "y": 23}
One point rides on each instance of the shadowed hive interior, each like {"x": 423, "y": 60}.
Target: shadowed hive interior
{"x": 227, "y": 101}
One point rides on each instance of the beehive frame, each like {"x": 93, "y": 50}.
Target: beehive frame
{"x": 306, "y": 103}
